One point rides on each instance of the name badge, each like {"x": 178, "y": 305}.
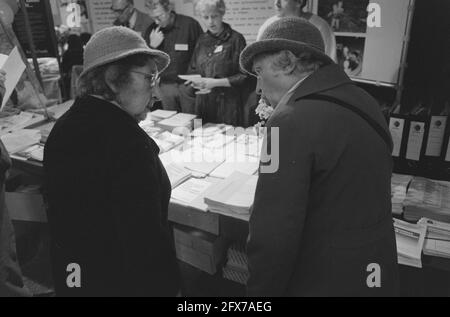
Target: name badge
{"x": 218, "y": 49}
{"x": 181, "y": 47}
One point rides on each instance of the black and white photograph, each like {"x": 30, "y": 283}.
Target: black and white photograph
{"x": 345, "y": 15}
{"x": 219, "y": 156}
{"x": 350, "y": 54}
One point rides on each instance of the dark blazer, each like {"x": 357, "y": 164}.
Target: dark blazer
{"x": 143, "y": 21}
{"x": 324, "y": 216}
{"x": 179, "y": 42}
{"x": 108, "y": 195}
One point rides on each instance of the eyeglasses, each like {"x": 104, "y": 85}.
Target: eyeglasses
{"x": 119, "y": 11}
{"x": 152, "y": 78}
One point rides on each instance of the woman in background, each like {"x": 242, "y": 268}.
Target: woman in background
{"x": 73, "y": 56}
{"x": 216, "y": 58}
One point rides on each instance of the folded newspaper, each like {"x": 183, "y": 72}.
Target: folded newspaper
{"x": 410, "y": 240}
{"x": 399, "y": 187}
{"x": 429, "y": 199}
{"x": 437, "y": 240}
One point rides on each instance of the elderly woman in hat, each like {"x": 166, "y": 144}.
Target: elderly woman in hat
{"x": 321, "y": 220}
{"x": 220, "y": 95}
{"x": 107, "y": 190}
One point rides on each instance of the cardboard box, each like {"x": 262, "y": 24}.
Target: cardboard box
{"x": 187, "y": 216}
{"x": 200, "y": 249}
{"x": 26, "y": 207}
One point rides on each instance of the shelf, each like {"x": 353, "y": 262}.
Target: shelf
{"x": 349, "y": 34}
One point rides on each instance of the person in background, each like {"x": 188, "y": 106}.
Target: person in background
{"x": 11, "y": 282}
{"x": 318, "y": 226}
{"x": 127, "y": 15}
{"x": 176, "y": 35}
{"x": 287, "y": 8}
{"x": 216, "y": 58}
{"x": 73, "y": 56}
{"x": 107, "y": 190}
{"x": 85, "y": 37}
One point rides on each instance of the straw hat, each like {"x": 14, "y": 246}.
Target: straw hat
{"x": 291, "y": 33}
{"x": 117, "y": 42}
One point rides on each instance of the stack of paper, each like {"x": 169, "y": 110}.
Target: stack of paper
{"x": 216, "y": 141}
{"x": 151, "y": 130}
{"x": 177, "y": 174}
{"x": 190, "y": 190}
{"x": 211, "y": 129}
{"x": 427, "y": 199}
{"x": 180, "y": 121}
{"x": 201, "y": 161}
{"x": 167, "y": 141}
{"x": 34, "y": 153}
{"x": 58, "y": 111}
{"x": 192, "y": 193}
{"x": 249, "y": 145}
{"x": 410, "y": 240}
{"x": 20, "y": 140}
{"x": 233, "y": 196}
{"x": 437, "y": 240}
{"x": 399, "y": 187}
{"x": 239, "y": 163}
{"x": 159, "y": 115}
{"x": 45, "y": 130}
{"x": 236, "y": 269}
{"x": 19, "y": 121}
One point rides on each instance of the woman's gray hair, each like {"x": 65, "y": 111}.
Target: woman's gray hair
{"x": 94, "y": 81}
{"x": 210, "y": 5}
{"x": 306, "y": 62}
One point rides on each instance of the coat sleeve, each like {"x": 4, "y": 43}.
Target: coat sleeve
{"x": 195, "y": 32}
{"x": 145, "y": 248}
{"x": 279, "y": 212}
{"x": 193, "y": 67}
{"x": 239, "y": 78}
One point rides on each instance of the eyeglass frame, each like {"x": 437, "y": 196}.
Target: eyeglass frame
{"x": 119, "y": 11}
{"x": 152, "y": 78}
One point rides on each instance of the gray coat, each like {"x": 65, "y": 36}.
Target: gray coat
{"x": 325, "y": 215}
{"x": 143, "y": 21}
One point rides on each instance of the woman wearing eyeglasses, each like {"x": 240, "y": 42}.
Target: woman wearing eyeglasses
{"x": 107, "y": 190}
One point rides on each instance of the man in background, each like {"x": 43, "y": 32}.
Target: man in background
{"x": 11, "y": 283}
{"x": 127, "y": 15}
{"x": 288, "y": 8}
{"x": 176, "y": 35}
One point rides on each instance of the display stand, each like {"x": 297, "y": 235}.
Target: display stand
{"x": 373, "y": 55}
{"x": 29, "y": 82}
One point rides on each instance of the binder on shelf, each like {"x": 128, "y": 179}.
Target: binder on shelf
{"x": 417, "y": 135}
{"x": 445, "y": 155}
{"x": 432, "y": 162}
{"x": 398, "y": 127}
